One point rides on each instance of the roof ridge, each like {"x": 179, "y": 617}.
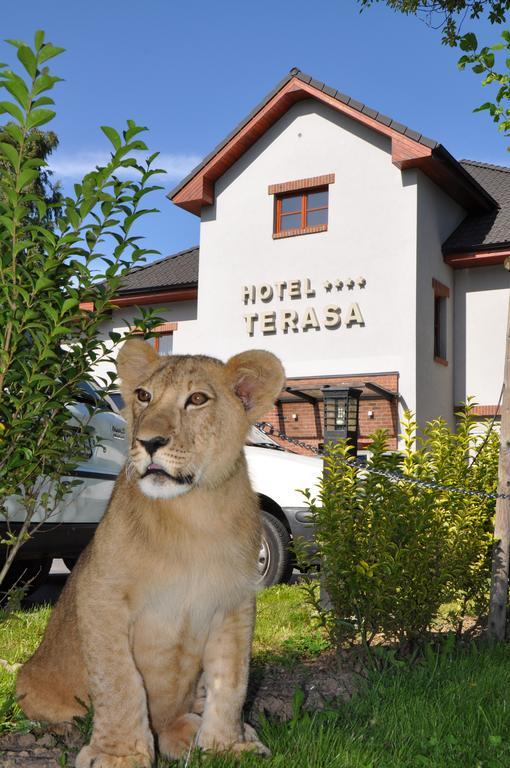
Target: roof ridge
{"x": 164, "y": 258}
{"x": 360, "y": 106}
{"x": 489, "y": 166}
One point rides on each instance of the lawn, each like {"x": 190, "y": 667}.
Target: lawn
{"x": 450, "y": 710}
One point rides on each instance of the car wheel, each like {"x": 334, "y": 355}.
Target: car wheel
{"x": 30, "y": 574}
{"x": 275, "y": 559}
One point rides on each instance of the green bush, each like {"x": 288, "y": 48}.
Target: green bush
{"x": 56, "y": 253}
{"x": 394, "y": 553}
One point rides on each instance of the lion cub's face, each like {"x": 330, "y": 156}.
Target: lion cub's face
{"x": 189, "y": 415}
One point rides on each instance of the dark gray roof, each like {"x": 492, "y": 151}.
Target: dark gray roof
{"x": 488, "y": 230}
{"x": 179, "y": 270}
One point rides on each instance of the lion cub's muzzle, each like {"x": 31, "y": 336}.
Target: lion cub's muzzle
{"x": 156, "y": 480}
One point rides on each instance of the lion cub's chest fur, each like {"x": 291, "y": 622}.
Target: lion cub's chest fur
{"x": 199, "y": 565}
{"x": 190, "y": 592}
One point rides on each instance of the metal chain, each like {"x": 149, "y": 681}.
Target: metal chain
{"x": 269, "y": 429}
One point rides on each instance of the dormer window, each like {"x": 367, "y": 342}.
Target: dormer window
{"x": 301, "y": 207}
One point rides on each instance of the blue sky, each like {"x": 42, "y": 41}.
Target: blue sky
{"x": 192, "y": 70}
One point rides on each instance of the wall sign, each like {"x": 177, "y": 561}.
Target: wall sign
{"x": 285, "y": 320}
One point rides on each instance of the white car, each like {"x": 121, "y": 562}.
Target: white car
{"x": 276, "y": 476}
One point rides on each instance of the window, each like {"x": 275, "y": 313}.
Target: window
{"x": 301, "y": 211}
{"x": 441, "y": 295}
{"x": 301, "y": 207}
{"x": 163, "y": 341}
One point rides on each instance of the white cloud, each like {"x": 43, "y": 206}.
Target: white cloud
{"x": 75, "y": 166}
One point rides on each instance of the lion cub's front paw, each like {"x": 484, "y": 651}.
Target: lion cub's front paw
{"x": 250, "y": 743}
{"x": 176, "y": 739}
{"x": 251, "y": 737}
{"x": 92, "y": 757}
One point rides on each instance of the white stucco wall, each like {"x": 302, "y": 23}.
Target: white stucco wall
{"x": 481, "y": 306}
{"x": 371, "y": 234}
{"x": 437, "y": 215}
{"x": 122, "y": 319}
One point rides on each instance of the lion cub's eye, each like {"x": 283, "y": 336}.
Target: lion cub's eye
{"x": 143, "y": 396}
{"x": 197, "y": 398}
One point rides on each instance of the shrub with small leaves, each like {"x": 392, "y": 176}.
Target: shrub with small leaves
{"x": 49, "y": 264}
{"x": 392, "y": 553}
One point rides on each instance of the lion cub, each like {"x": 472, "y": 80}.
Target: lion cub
{"x": 162, "y": 601}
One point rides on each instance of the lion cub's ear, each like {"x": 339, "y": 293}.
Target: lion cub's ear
{"x": 133, "y": 363}
{"x": 257, "y": 377}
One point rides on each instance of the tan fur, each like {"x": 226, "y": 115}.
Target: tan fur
{"x": 162, "y": 601}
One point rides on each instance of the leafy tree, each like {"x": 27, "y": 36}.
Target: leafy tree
{"x": 54, "y": 254}
{"x": 449, "y": 15}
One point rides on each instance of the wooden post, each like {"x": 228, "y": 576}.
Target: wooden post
{"x": 501, "y": 555}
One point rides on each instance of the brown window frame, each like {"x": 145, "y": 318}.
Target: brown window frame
{"x": 303, "y": 210}
{"x": 301, "y": 188}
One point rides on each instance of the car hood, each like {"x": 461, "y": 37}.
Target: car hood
{"x": 281, "y": 475}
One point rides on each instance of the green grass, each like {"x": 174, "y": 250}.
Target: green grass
{"x": 450, "y": 711}
{"x": 446, "y": 713}
{"x": 285, "y": 630}
{"x": 20, "y": 634}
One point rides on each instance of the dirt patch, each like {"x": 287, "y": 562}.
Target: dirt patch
{"x": 326, "y": 680}
{"x": 37, "y": 750}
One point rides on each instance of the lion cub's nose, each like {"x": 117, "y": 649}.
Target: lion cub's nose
{"x": 152, "y": 445}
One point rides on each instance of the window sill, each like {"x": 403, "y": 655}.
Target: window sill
{"x": 441, "y": 361}
{"x": 305, "y": 231}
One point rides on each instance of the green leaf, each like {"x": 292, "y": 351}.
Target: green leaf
{"x": 15, "y": 43}
{"x": 59, "y": 330}
{"x": 7, "y": 223}
{"x": 468, "y": 42}
{"x": 18, "y": 89}
{"x": 27, "y": 176}
{"x": 14, "y": 132}
{"x": 112, "y": 134}
{"x": 39, "y": 38}
{"x": 40, "y": 117}
{"x": 487, "y": 105}
{"x": 42, "y": 283}
{"x": 10, "y": 153}
{"x": 45, "y": 83}
{"x": 48, "y": 51}
{"x": 21, "y": 245}
{"x": 11, "y": 109}
{"x": 69, "y": 304}
{"x": 27, "y": 58}
{"x": 43, "y": 101}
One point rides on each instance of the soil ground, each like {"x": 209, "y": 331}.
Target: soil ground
{"x": 325, "y": 680}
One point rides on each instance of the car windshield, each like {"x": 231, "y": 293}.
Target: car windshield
{"x": 117, "y": 399}
{"x": 259, "y": 439}
{"x": 97, "y": 398}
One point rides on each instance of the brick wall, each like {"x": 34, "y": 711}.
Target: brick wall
{"x": 304, "y": 421}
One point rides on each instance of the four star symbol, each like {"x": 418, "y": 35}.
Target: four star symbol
{"x": 350, "y": 283}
